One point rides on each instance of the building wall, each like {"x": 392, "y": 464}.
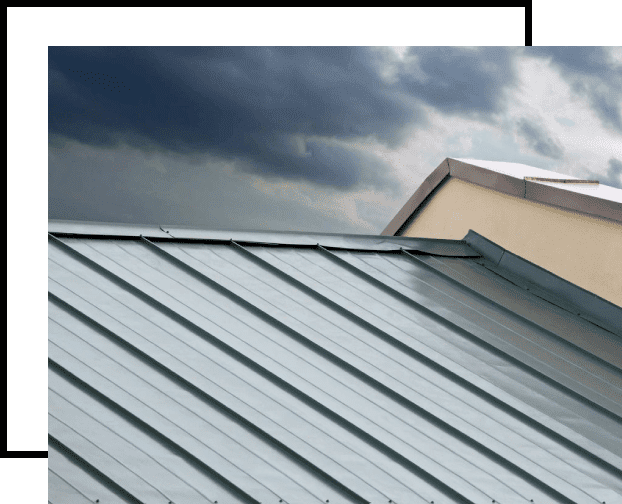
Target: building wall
{"x": 584, "y": 250}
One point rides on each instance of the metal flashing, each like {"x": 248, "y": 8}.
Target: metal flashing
{"x": 548, "y": 194}
{"x": 483, "y": 177}
{"x": 103, "y": 229}
{"x": 453, "y": 248}
{"x": 593, "y": 199}
{"x": 423, "y": 192}
{"x": 561, "y": 181}
{"x": 484, "y": 246}
{"x": 568, "y": 295}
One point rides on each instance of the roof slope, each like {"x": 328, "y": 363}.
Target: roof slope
{"x": 198, "y": 370}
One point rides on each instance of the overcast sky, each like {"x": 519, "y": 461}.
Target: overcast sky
{"x": 331, "y": 139}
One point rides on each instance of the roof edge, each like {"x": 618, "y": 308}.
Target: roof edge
{"x": 331, "y": 241}
{"x": 567, "y": 295}
{"x": 530, "y": 190}
{"x": 426, "y": 188}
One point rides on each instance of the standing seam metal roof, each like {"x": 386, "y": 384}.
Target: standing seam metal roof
{"x": 197, "y": 371}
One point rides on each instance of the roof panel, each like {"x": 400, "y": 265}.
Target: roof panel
{"x": 520, "y": 300}
{"x": 196, "y": 371}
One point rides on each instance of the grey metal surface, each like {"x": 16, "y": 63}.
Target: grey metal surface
{"x": 547, "y": 285}
{"x": 106, "y": 229}
{"x": 200, "y": 372}
{"x": 487, "y": 178}
{"x": 454, "y": 248}
{"x": 562, "y": 181}
{"x": 572, "y": 200}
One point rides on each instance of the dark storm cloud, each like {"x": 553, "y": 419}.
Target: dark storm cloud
{"x": 280, "y": 111}
{"x": 463, "y": 81}
{"x": 128, "y": 185}
{"x": 253, "y": 104}
{"x": 614, "y": 174}
{"x": 590, "y": 71}
{"x": 538, "y": 139}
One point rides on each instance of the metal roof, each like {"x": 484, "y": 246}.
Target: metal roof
{"x": 596, "y": 200}
{"x": 200, "y": 366}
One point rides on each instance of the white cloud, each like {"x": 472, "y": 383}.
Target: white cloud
{"x": 615, "y": 53}
{"x": 400, "y": 51}
{"x": 544, "y": 96}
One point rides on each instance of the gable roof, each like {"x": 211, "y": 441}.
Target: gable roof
{"x": 596, "y": 200}
{"x": 199, "y": 366}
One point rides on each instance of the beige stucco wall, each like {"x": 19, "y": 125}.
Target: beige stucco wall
{"x": 584, "y": 250}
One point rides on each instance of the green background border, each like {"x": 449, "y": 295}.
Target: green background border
{"x": 31, "y": 30}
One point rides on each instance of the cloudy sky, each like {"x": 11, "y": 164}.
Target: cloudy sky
{"x": 308, "y": 138}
